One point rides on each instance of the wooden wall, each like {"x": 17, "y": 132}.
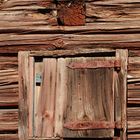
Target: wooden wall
{"x": 32, "y": 25}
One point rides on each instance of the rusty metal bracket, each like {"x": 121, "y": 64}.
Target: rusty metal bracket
{"x": 88, "y": 125}
{"x": 95, "y": 64}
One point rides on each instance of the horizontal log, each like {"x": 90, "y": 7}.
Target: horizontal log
{"x": 9, "y": 87}
{"x": 41, "y": 27}
{"x": 133, "y": 126}
{"x": 134, "y": 53}
{"x": 9, "y": 137}
{"x": 133, "y": 136}
{"x": 133, "y": 113}
{"x": 9, "y": 120}
{"x": 109, "y": 10}
{"x": 14, "y": 43}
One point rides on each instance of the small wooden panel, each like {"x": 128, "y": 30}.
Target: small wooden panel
{"x": 88, "y": 96}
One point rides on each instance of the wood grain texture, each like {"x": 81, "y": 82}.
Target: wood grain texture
{"x": 44, "y": 120}
{"x": 9, "y": 136}
{"x": 9, "y": 87}
{"x": 22, "y": 22}
{"x": 9, "y": 120}
{"x": 123, "y": 55}
{"x": 133, "y": 95}
{"x": 15, "y": 43}
{"x": 23, "y": 94}
{"x": 77, "y": 105}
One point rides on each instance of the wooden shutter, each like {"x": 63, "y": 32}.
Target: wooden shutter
{"x": 71, "y": 95}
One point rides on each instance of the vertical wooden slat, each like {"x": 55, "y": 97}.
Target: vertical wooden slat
{"x": 38, "y": 78}
{"x": 23, "y": 94}
{"x": 46, "y": 108}
{"x": 61, "y": 90}
{"x": 123, "y": 56}
{"x": 31, "y": 96}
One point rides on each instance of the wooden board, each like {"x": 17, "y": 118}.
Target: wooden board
{"x": 85, "y": 98}
{"x": 44, "y": 117}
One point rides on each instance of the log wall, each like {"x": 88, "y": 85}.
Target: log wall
{"x": 33, "y": 25}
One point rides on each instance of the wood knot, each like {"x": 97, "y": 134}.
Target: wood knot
{"x": 59, "y": 43}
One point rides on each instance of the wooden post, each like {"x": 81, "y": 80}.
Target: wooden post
{"x": 123, "y": 56}
{"x": 23, "y": 93}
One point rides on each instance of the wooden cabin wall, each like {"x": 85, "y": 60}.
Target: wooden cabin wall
{"x": 33, "y": 25}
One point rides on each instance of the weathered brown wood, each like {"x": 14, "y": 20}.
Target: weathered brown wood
{"x": 123, "y": 55}
{"x": 133, "y": 95}
{"x": 46, "y": 101}
{"x": 76, "y": 52}
{"x": 95, "y": 64}
{"x": 53, "y": 138}
{"x": 9, "y": 137}
{"x": 105, "y": 28}
{"x": 45, "y": 42}
{"x": 71, "y": 13}
{"x": 61, "y": 89}
{"x": 112, "y": 10}
{"x": 74, "y": 99}
{"x": 8, "y": 120}
{"x": 31, "y": 95}
{"x": 8, "y": 81}
{"x": 89, "y": 125}
{"x": 23, "y": 94}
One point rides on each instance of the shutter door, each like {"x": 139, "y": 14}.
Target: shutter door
{"x": 72, "y": 96}
{"x": 85, "y": 98}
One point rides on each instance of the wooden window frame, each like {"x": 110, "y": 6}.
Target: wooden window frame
{"x": 26, "y": 63}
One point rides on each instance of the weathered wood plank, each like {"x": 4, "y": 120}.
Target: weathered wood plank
{"x": 46, "y": 101}
{"x": 8, "y": 87}
{"x": 109, "y": 10}
{"x": 31, "y": 95}
{"x": 8, "y": 120}
{"x": 61, "y": 89}
{"x": 15, "y": 43}
{"x": 9, "y": 137}
{"x": 41, "y": 27}
{"x": 23, "y": 94}
{"x": 123, "y": 55}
